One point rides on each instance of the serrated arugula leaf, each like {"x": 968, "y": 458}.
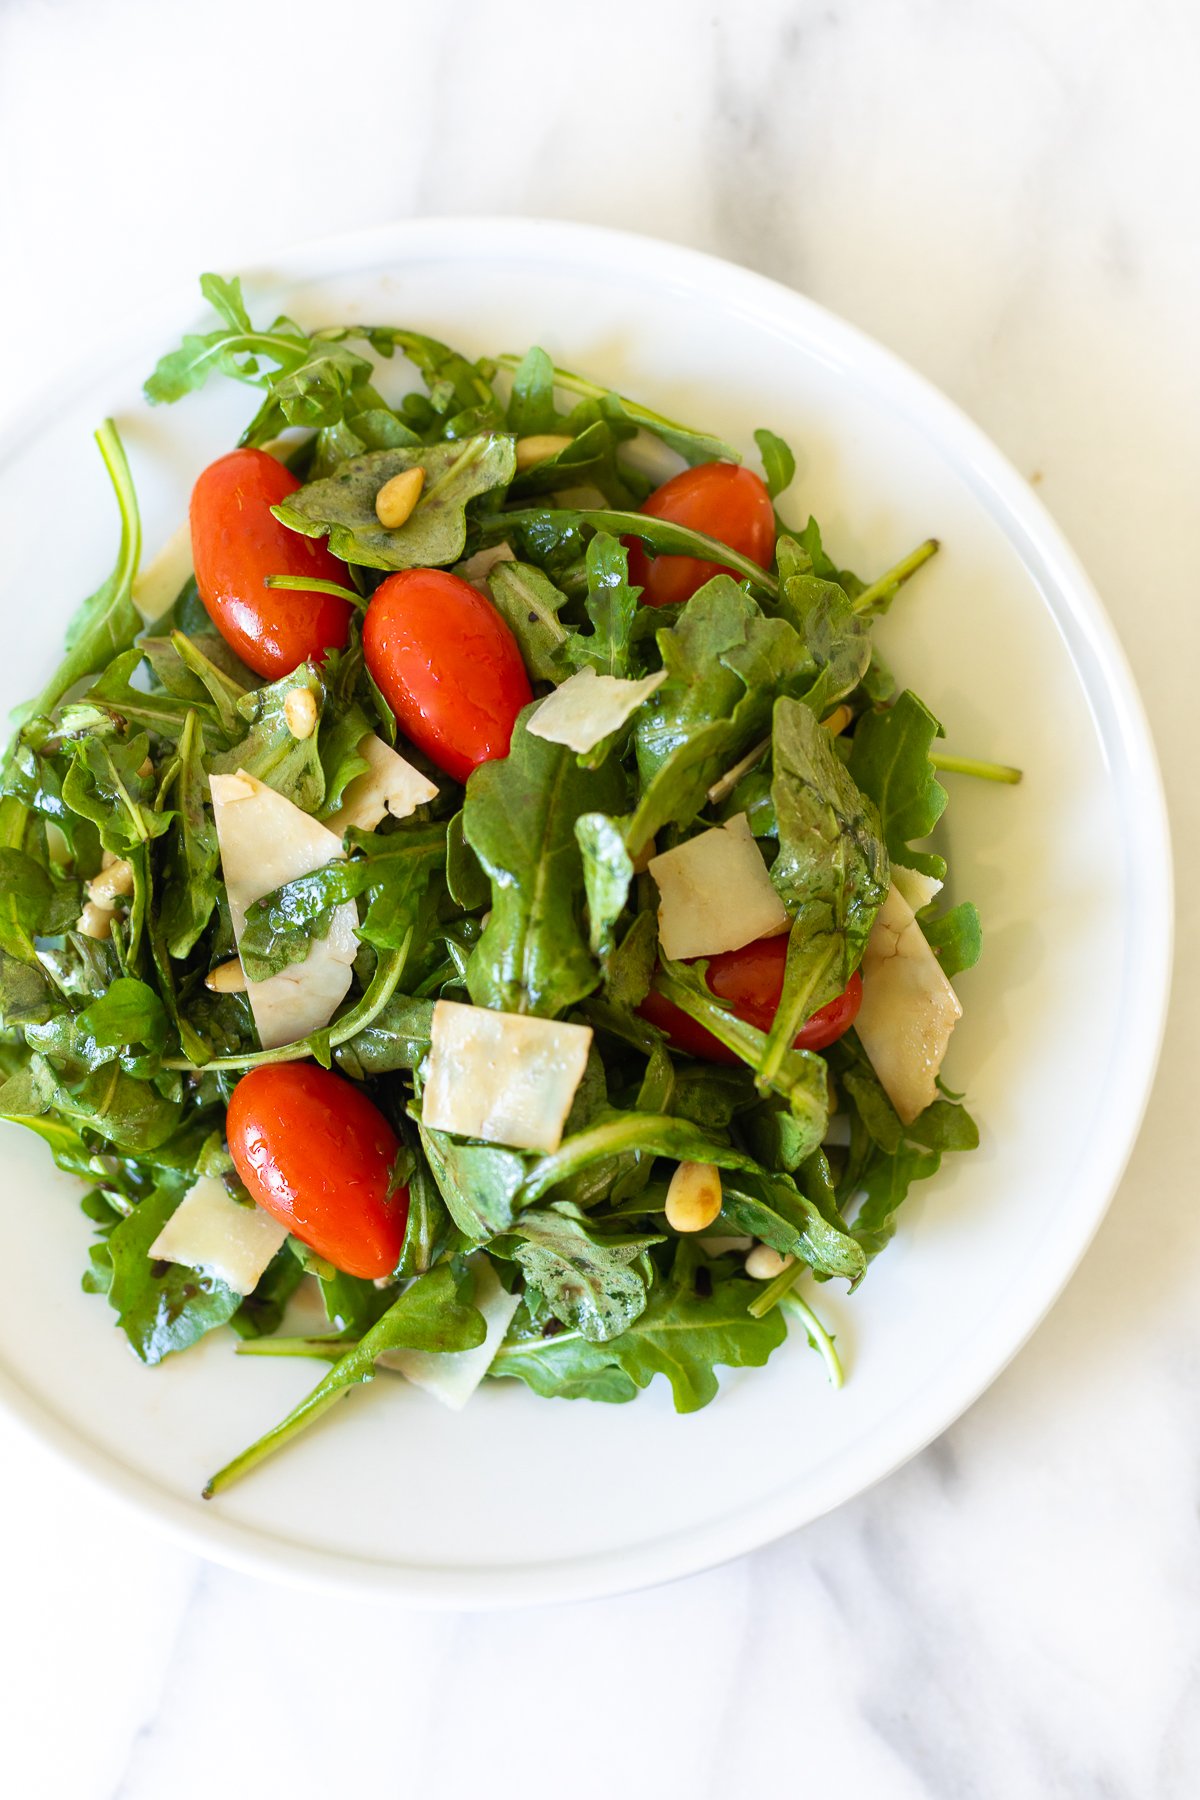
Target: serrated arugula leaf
{"x": 190, "y": 865}
{"x": 564, "y": 1366}
{"x": 519, "y": 818}
{"x": 725, "y": 664}
{"x": 607, "y": 873}
{"x": 693, "y": 446}
{"x": 779, "y": 465}
{"x": 529, "y": 603}
{"x": 480, "y": 1183}
{"x": 594, "y": 1281}
{"x": 956, "y": 938}
{"x": 838, "y": 639}
{"x": 611, "y": 606}
{"x": 890, "y": 762}
{"x": 436, "y": 1313}
{"x": 161, "y": 1307}
{"x": 269, "y": 752}
{"x": 686, "y": 1332}
{"x": 342, "y": 506}
{"x": 111, "y": 782}
{"x": 531, "y": 408}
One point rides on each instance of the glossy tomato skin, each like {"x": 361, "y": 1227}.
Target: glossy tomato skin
{"x": 447, "y": 665}
{"x": 318, "y": 1156}
{"x": 237, "y": 542}
{"x": 724, "y": 501}
{"x": 750, "y": 982}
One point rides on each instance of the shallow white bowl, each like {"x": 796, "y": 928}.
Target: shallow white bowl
{"x": 520, "y": 1499}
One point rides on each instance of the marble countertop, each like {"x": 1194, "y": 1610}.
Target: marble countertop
{"x": 1006, "y": 193}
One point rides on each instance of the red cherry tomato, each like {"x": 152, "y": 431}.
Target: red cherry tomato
{"x": 237, "y": 542}
{"x": 750, "y": 982}
{"x": 447, "y": 665}
{"x": 724, "y": 501}
{"x": 318, "y": 1156}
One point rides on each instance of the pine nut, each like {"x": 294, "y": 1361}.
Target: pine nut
{"x": 534, "y": 450}
{"x": 838, "y": 720}
{"x": 396, "y": 498}
{"x": 95, "y": 921}
{"x": 694, "y": 1196}
{"x": 227, "y": 978}
{"x": 641, "y": 861}
{"x": 113, "y": 883}
{"x": 764, "y": 1264}
{"x": 300, "y": 712}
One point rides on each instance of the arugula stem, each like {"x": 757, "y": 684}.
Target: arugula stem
{"x": 966, "y": 765}
{"x": 774, "y": 1291}
{"x": 818, "y": 1337}
{"x": 324, "y": 1349}
{"x": 672, "y": 540}
{"x": 883, "y": 589}
{"x": 523, "y": 1346}
{"x": 793, "y": 1011}
{"x": 383, "y": 985}
{"x": 726, "y": 783}
{"x": 306, "y": 584}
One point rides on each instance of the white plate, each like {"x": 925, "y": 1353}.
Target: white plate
{"x": 521, "y": 1499}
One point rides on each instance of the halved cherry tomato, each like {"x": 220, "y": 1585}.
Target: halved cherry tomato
{"x": 318, "y": 1156}
{"x": 447, "y": 665}
{"x": 724, "y": 501}
{"x": 750, "y": 982}
{"x": 237, "y": 542}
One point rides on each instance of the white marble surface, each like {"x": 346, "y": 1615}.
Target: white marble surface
{"x": 1007, "y": 194}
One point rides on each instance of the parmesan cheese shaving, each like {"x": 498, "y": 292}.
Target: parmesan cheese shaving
{"x": 210, "y": 1230}
{"x": 908, "y": 1009}
{"x": 715, "y": 893}
{"x": 387, "y": 785}
{"x": 159, "y": 583}
{"x": 453, "y": 1378}
{"x": 266, "y": 841}
{"x": 589, "y": 707}
{"x": 505, "y": 1077}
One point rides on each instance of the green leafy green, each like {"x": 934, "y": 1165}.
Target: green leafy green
{"x": 160, "y": 1306}
{"x": 890, "y": 762}
{"x": 529, "y": 603}
{"x": 779, "y": 465}
{"x": 342, "y": 506}
{"x": 593, "y": 1281}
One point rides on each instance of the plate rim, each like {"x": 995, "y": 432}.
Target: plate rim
{"x": 1030, "y": 529}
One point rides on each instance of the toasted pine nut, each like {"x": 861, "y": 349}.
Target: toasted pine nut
{"x": 534, "y": 450}
{"x": 300, "y": 711}
{"x": 838, "y": 720}
{"x": 397, "y": 497}
{"x": 145, "y": 769}
{"x": 694, "y": 1196}
{"x": 641, "y": 861}
{"x": 95, "y": 921}
{"x": 227, "y": 978}
{"x": 764, "y": 1264}
{"x": 113, "y": 883}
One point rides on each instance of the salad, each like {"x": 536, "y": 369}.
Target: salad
{"x": 473, "y": 881}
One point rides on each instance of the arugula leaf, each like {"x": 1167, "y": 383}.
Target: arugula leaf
{"x": 890, "y": 762}
{"x": 838, "y": 639}
{"x": 956, "y": 938}
{"x": 290, "y": 765}
{"x": 190, "y": 865}
{"x": 779, "y": 465}
{"x": 553, "y": 528}
{"x": 519, "y": 818}
{"x": 611, "y": 606}
{"x": 831, "y": 872}
{"x": 435, "y": 1313}
{"x": 108, "y": 621}
{"x": 479, "y": 1182}
{"x": 26, "y": 995}
{"x": 39, "y": 904}
{"x": 531, "y": 408}
{"x": 430, "y": 1227}
{"x": 529, "y": 603}
{"x": 594, "y": 1281}
{"x": 565, "y": 1366}
{"x": 607, "y": 873}
{"x": 693, "y": 446}
{"x": 161, "y": 1306}
{"x": 775, "y": 1209}
{"x": 342, "y": 506}
{"x": 685, "y": 1332}
{"x": 111, "y": 782}
{"x": 725, "y": 664}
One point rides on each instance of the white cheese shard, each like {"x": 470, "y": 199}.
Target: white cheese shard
{"x": 210, "y": 1230}
{"x": 505, "y": 1077}
{"x": 387, "y": 785}
{"x": 908, "y": 1008}
{"x": 477, "y": 568}
{"x": 265, "y": 841}
{"x": 453, "y": 1378}
{"x": 916, "y": 888}
{"x": 588, "y": 707}
{"x": 715, "y": 893}
{"x": 159, "y": 583}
